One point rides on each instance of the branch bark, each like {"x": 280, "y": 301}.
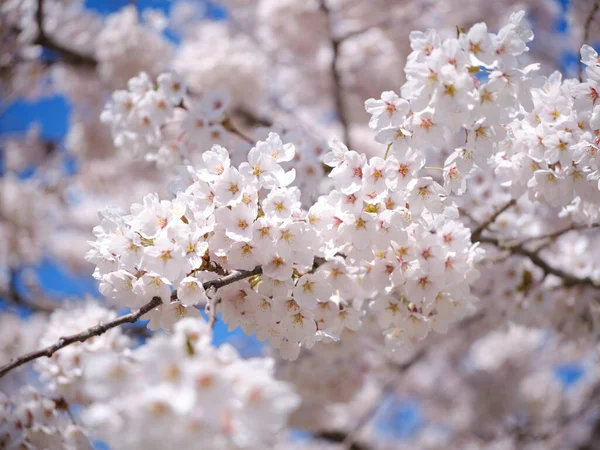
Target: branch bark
{"x": 132, "y": 317}
{"x": 349, "y": 440}
{"x": 96, "y": 330}
{"x": 68, "y": 55}
{"x": 338, "y": 94}
{"x": 14, "y": 297}
{"x": 476, "y": 234}
{"x": 568, "y": 279}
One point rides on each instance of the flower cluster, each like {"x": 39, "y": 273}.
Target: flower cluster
{"x": 162, "y": 122}
{"x": 125, "y": 46}
{"x": 179, "y": 391}
{"x": 383, "y": 234}
{"x": 63, "y": 372}
{"x": 413, "y": 260}
{"x": 30, "y": 420}
{"x": 462, "y": 90}
{"x": 553, "y": 154}
{"x": 226, "y": 218}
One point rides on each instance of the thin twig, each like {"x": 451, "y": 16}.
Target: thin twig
{"x": 558, "y": 233}
{"x": 128, "y": 318}
{"x": 348, "y": 440}
{"x": 477, "y": 232}
{"x": 13, "y": 296}
{"x": 384, "y": 23}
{"x": 234, "y": 276}
{"x": 336, "y": 79}
{"x": 568, "y": 279}
{"x": 251, "y": 118}
{"x": 96, "y": 330}
{"x": 586, "y": 33}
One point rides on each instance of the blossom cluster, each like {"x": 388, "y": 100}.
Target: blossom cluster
{"x": 383, "y": 234}
{"x": 224, "y": 218}
{"x": 444, "y": 100}
{"x": 414, "y": 260}
{"x": 63, "y": 372}
{"x": 28, "y": 419}
{"x": 554, "y": 152}
{"x": 160, "y": 121}
{"x": 178, "y": 391}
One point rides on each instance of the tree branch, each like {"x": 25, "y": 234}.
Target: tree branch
{"x": 558, "y": 233}
{"x": 569, "y": 280}
{"x": 475, "y": 235}
{"x": 96, "y": 330}
{"x": 68, "y": 55}
{"x": 132, "y": 317}
{"x": 13, "y": 296}
{"x": 234, "y": 276}
{"x": 338, "y": 93}
{"x": 229, "y": 126}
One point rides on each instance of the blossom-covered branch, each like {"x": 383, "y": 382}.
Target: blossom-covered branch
{"x": 132, "y": 317}
{"x": 96, "y": 330}
{"x": 568, "y": 279}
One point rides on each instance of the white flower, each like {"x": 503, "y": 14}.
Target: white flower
{"x": 310, "y": 288}
{"x": 191, "y": 292}
{"x": 390, "y": 110}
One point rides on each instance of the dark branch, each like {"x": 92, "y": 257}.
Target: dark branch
{"x": 349, "y": 439}
{"x": 234, "y": 276}
{"x": 477, "y": 232}
{"x": 558, "y": 233}
{"x": 96, "y": 330}
{"x": 252, "y": 119}
{"x": 340, "y": 437}
{"x": 67, "y": 55}
{"x": 519, "y": 249}
{"x": 127, "y": 318}
{"x": 229, "y": 126}
{"x": 338, "y": 93}
{"x": 568, "y": 279}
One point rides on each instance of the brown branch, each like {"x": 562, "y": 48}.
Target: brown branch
{"x": 229, "y": 126}
{"x": 339, "y": 437}
{"x": 384, "y": 23}
{"x": 96, "y": 330}
{"x": 234, "y": 276}
{"x": 252, "y": 119}
{"x": 558, "y": 233}
{"x": 586, "y": 33}
{"x": 519, "y": 249}
{"x": 127, "y": 318}
{"x": 338, "y": 93}
{"x": 568, "y": 279}
{"x": 475, "y": 235}
{"x": 68, "y": 55}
